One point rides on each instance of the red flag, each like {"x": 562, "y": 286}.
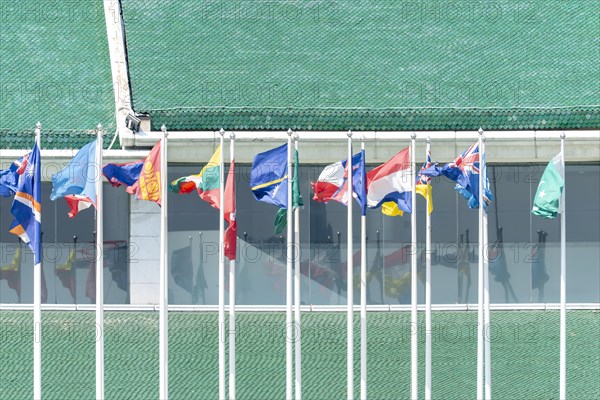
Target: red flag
{"x": 148, "y": 185}
{"x": 229, "y": 211}
{"x": 77, "y": 203}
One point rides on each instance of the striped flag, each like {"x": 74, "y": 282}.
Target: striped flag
{"x": 391, "y": 182}
{"x": 26, "y": 207}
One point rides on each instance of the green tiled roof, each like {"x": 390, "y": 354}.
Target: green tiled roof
{"x": 382, "y": 120}
{"x": 54, "y": 68}
{"x": 366, "y": 64}
{"x": 51, "y": 139}
{"x": 525, "y": 355}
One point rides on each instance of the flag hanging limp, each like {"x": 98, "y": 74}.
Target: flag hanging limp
{"x": 546, "y": 202}
{"x": 229, "y": 212}
{"x": 297, "y": 200}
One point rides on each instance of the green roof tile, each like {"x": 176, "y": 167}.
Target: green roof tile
{"x": 365, "y": 65}
{"x": 54, "y": 68}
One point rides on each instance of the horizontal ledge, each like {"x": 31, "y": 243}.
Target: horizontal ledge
{"x": 149, "y": 137}
{"x": 304, "y": 308}
{"x": 107, "y": 155}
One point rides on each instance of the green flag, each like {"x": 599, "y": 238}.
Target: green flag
{"x": 547, "y": 198}
{"x": 281, "y": 217}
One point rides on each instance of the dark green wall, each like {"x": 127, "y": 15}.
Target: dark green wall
{"x": 524, "y": 355}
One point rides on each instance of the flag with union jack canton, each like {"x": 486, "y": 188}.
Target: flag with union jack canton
{"x": 464, "y": 170}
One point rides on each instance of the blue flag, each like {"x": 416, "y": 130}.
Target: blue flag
{"x": 359, "y": 182}
{"x": 77, "y": 181}
{"x": 123, "y": 174}
{"x": 26, "y": 207}
{"x": 269, "y": 176}
{"x": 9, "y": 180}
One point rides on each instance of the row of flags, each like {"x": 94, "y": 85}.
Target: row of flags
{"x": 387, "y": 186}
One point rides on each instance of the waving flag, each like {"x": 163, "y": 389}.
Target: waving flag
{"x": 329, "y": 182}
{"x": 471, "y": 192}
{"x": 331, "y": 179}
{"x": 207, "y": 182}
{"x": 77, "y": 181}
{"x": 391, "y": 182}
{"x": 148, "y": 185}
{"x": 123, "y": 174}
{"x": 464, "y": 170}
{"x": 9, "y": 178}
{"x": 26, "y": 207}
{"x": 423, "y": 188}
{"x": 229, "y": 211}
{"x": 546, "y": 202}
{"x": 268, "y": 176}
{"x": 359, "y": 179}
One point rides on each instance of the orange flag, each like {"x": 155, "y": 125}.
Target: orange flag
{"x": 148, "y": 185}
{"x": 229, "y": 211}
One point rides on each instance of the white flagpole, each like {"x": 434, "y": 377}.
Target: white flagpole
{"x": 428, "y": 292}
{"x": 349, "y": 278}
{"x": 297, "y": 293}
{"x": 164, "y": 276}
{"x": 232, "y": 297}
{"x": 222, "y": 395}
{"x": 363, "y": 298}
{"x": 288, "y": 281}
{"x": 414, "y": 355}
{"x": 37, "y": 308}
{"x": 99, "y": 272}
{"x": 563, "y": 279}
{"x": 487, "y": 355}
{"x": 480, "y": 280}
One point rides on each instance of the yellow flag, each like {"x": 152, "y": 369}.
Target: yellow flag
{"x": 425, "y": 191}
{"x": 391, "y": 209}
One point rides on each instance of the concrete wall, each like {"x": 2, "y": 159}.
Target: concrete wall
{"x": 144, "y": 239}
